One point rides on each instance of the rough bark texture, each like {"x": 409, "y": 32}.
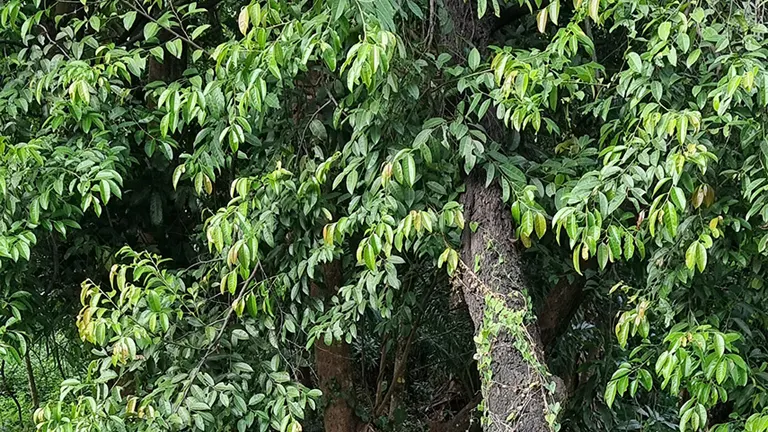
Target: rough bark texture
{"x": 515, "y": 398}
{"x": 559, "y": 306}
{"x": 334, "y": 366}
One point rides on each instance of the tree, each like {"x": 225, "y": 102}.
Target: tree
{"x": 256, "y": 197}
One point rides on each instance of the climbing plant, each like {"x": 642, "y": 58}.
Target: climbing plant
{"x": 215, "y": 200}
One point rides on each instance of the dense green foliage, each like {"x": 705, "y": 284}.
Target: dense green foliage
{"x": 252, "y": 154}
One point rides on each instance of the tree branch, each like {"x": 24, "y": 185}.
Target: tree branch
{"x": 170, "y": 30}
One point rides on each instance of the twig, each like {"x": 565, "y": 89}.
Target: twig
{"x": 431, "y": 28}
{"x": 170, "y": 30}
{"x": 214, "y": 343}
{"x": 11, "y": 394}
{"x": 181, "y": 23}
{"x": 12, "y": 42}
{"x": 51, "y": 40}
{"x": 380, "y": 378}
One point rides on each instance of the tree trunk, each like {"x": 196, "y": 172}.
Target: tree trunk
{"x": 513, "y": 392}
{"x": 334, "y": 366}
{"x": 512, "y": 379}
{"x": 559, "y": 307}
{"x": 31, "y": 379}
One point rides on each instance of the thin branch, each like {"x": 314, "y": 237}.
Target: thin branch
{"x": 431, "y": 28}
{"x": 380, "y": 378}
{"x": 170, "y": 30}
{"x": 12, "y": 42}
{"x": 214, "y": 343}
{"x": 11, "y": 394}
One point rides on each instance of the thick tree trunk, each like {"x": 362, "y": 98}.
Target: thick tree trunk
{"x": 512, "y": 385}
{"x": 514, "y": 395}
{"x": 334, "y": 366}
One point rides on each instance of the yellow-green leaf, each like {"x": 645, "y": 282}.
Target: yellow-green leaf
{"x": 541, "y": 20}
{"x": 526, "y": 227}
{"x": 369, "y": 257}
{"x": 664, "y": 29}
{"x": 690, "y": 256}
{"x": 594, "y": 6}
{"x": 701, "y": 257}
{"x": 541, "y": 225}
{"x": 242, "y": 21}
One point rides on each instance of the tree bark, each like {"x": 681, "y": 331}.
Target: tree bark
{"x": 31, "y": 380}
{"x": 334, "y": 366}
{"x": 560, "y": 304}
{"x": 514, "y": 397}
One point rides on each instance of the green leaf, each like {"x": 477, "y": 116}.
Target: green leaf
{"x": 242, "y": 367}
{"x": 721, "y": 372}
{"x": 106, "y": 190}
{"x": 280, "y": 377}
{"x": 610, "y": 393}
{"x": 153, "y": 300}
{"x": 482, "y": 6}
{"x": 128, "y": 20}
{"x": 369, "y": 257}
{"x": 318, "y": 129}
{"x": 692, "y": 57}
{"x": 701, "y": 257}
{"x": 690, "y": 255}
{"x": 341, "y": 6}
{"x": 474, "y": 59}
{"x": 635, "y": 63}
{"x": 577, "y": 259}
{"x": 174, "y": 47}
{"x": 540, "y": 225}
{"x": 594, "y": 6}
{"x": 719, "y": 344}
{"x": 664, "y": 29}
{"x": 629, "y": 246}
{"x": 645, "y": 379}
{"x": 453, "y": 261}
{"x": 352, "y": 181}
{"x": 602, "y": 255}
{"x": 243, "y": 21}
{"x": 409, "y": 169}
{"x": 526, "y": 226}
{"x": 95, "y": 22}
{"x": 422, "y": 137}
{"x": 682, "y": 128}
{"x": 34, "y": 212}
{"x": 685, "y": 419}
{"x": 158, "y": 52}
{"x": 614, "y": 241}
{"x": 177, "y": 173}
{"x": 678, "y": 197}
{"x": 670, "y": 220}
{"x": 150, "y": 30}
